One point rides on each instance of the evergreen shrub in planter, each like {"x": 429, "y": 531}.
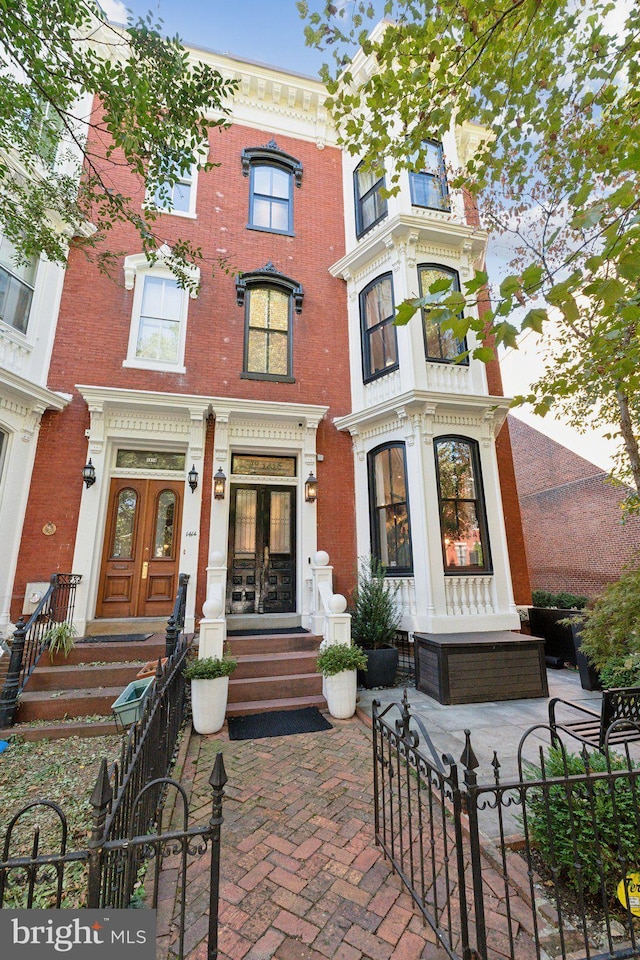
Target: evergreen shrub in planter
{"x": 375, "y": 619}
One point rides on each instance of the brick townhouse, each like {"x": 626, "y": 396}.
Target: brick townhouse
{"x": 327, "y": 428}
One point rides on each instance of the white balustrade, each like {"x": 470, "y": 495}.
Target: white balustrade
{"x": 14, "y": 354}
{"x": 449, "y": 377}
{"x": 469, "y": 596}
{"x": 382, "y": 388}
{"x": 404, "y": 589}
{"x": 328, "y": 609}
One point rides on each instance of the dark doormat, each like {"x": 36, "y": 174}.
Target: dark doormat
{"x": 262, "y": 633}
{"x": 117, "y": 638}
{"x": 280, "y": 723}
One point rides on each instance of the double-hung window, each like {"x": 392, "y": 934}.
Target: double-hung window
{"x": 439, "y": 344}
{"x": 371, "y": 206}
{"x": 465, "y": 543}
{"x": 176, "y": 193}
{"x": 17, "y": 280}
{"x": 389, "y": 504}
{"x": 272, "y": 174}
{"x": 429, "y": 184}
{"x": 269, "y": 299}
{"x": 379, "y": 342}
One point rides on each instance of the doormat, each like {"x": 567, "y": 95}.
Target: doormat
{"x": 265, "y": 633}
{"x": 280, "y": 723}
{"x": 117, "y": 638}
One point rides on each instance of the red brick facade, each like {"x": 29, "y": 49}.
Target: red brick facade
{"x": 576, "y": 540}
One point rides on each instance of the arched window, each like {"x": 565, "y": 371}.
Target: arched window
{"x": 389, "y": 505}
{"x": 370, "y": 205}
{"x": 379, "y": 342}
{"x": 439, "y": 344}
{"x": 272, "y": 173}
{"x": 268, "y": 297}
{"x": 465, "y": 542}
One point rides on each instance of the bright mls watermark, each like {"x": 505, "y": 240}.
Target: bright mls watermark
{"x": 83, "y": 934}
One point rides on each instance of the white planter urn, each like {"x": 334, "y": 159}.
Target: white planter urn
{"x": 209, "y": 704}
{"x": 340, "y": 691}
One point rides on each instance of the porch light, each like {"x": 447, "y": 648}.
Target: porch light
{"x": 219, "y": 484}
{"x": 311, "y": 489}
{"x": 89, "y": 474}
{"x": 192, "y": 477}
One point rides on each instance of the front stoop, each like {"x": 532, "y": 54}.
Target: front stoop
{"x": 275, "y": 672}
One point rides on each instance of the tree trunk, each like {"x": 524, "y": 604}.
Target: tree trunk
{"x": 628, "y": 435}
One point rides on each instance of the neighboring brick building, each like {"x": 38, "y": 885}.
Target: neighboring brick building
{"x": 288, "y": 368}
{"x": 574, "y": 534}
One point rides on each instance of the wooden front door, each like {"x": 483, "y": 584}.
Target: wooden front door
{"x": 139, "y": 576}
{"x": 262, "y": 550}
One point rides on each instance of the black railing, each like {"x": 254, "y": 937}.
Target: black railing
{"x": 30, "y": 639}
{"x": 526, "y": 865}
{"x": 175, "y": 624}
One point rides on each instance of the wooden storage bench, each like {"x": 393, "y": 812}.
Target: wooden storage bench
{"x": 480, "y": 667}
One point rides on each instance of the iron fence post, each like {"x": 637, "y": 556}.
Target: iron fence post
{"x": 171, "y": 637}
{"x": 376, "y": 785}
{"x": 9, "y": 696}
{"x": 470, "y": 763}
{"x": 100, "y": 800}
{"x": 217, "y": 780}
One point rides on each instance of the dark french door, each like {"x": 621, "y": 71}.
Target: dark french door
{"x": 262, "y": 550}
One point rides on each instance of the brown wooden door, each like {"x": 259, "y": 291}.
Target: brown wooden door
{"x": 262, "y": 550}
{"x": 139, "y": 576}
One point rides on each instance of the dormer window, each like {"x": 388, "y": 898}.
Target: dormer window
{"x": 272, "y": 174}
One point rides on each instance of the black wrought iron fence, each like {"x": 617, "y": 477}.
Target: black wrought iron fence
{"x": 30, "y": 638}
{"x": 541, "y": 860}
{"x": 175, "y": 624}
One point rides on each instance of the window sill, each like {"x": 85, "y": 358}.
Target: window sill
{"x": 424, "y": 206}
{"x": 187, "y": 215}
{"x": 362, "y": 233}
{"x": 370, "y": 378}
{"x": 139, "y": 364}
{"x": 467, "y": 572}
{"x": 282, "y": 233}
{"x": 453, "y": 362}
{"x": 274, "y": 377}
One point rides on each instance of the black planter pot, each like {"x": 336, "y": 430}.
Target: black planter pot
{"x": 558, "y": 639}
{"x": 381, "y": 669}
{"x": 589, "y": 676}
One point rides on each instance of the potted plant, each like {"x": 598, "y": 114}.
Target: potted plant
{"x": 60, "y": 638}
{"x": 209, "y": 678}
{"x": 339, "y": 664}
{"x": 610, "y": 632}
{"x": 375, "y": 619}
{"x": 548, "y": 618}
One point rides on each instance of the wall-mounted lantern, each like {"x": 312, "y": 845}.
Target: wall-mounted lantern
{"x": 89, "y": 474}
{"x": 311, "y": 489}
{"x": 219, "y": 484}
{"x": 192, "y": 477}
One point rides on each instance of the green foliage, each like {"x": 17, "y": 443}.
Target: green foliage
{"x": 209, "y": 668}
{"x": 54, "y": 57}
{"x": 622, "y": 671}
{"x": 60, "y": 638}
{"x": 547, "y": 95}
{"x": 602, "y": 818}
{"x": 374, "y": 614}
{"x": 338, "y": 657}
{"x": 611, "y": 626}
{"x": 564, "y": 601}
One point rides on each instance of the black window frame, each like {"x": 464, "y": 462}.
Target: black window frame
{"x": 462, "y": 344}
{"x": 270, "y": 155}
{"x": 390, "y": 571}
{"x": 480, "y": 508}
{"x": 379, "y": 184}
{"x": 268, "y": 278}
{"x": 367, "y": 374}
{"x": 416, "y": 177}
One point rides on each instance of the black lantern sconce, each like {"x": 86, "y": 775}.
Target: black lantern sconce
{"x": 192, "y": 477}
{"x": 311, "y": 489}
{"x": 89, "y": 474}
{"x": 219, "y": 484}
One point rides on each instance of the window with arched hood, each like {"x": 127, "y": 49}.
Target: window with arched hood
{"x": 272, "y": 174}
{"x": 463, "y": 525}
{"x": 270, "y": 299}
{"x": 389, "y": 508}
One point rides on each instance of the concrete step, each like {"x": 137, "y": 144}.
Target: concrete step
{"x": 273, "y": 643}
{"x": 275, "y": 688}
{"x": 243, "y": 708}
{"x": 110, "y": 652}
{"x": 61, "y": 731}
{"x": 60, "y": 704}
{"x": 96, "y": 628}
{"x": 71, "y": 676}
{"x": 274, "y": 664}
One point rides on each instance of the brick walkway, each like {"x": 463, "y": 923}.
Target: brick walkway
{"x": 301, "y": 877}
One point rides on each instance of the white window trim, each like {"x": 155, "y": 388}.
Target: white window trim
{"x": 169, "y": 211}
{"x": 136, "y": 268}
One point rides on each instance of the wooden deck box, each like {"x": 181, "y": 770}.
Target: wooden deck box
{"x": 480, "y": 667}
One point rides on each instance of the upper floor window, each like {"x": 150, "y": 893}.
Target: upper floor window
{"x": 268, "y": 297}
{"x": 45, "y": 128}
{"x": 272, "y": 173}
{"x": 17, "y": 280}
{"x": 159, "y": 317}
{"x": 465, "y": 543}
{"x": 389, "y": 504}
{"x": 379, "y": 342}
{"x": 429, "y": 184}
{"x": 370, "y": 205}
{"x": 177, "y": 194}
{"x": 439, "y": 344}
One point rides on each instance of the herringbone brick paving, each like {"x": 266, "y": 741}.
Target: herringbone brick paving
{"x": 301, "y": 877}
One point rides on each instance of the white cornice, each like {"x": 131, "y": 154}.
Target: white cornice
{"x": 30, "y": 394}
{"x": 441, "y": 230}
{"x": 416, "y": 402}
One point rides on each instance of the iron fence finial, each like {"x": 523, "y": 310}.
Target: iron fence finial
{"x": 218, "y": 776}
